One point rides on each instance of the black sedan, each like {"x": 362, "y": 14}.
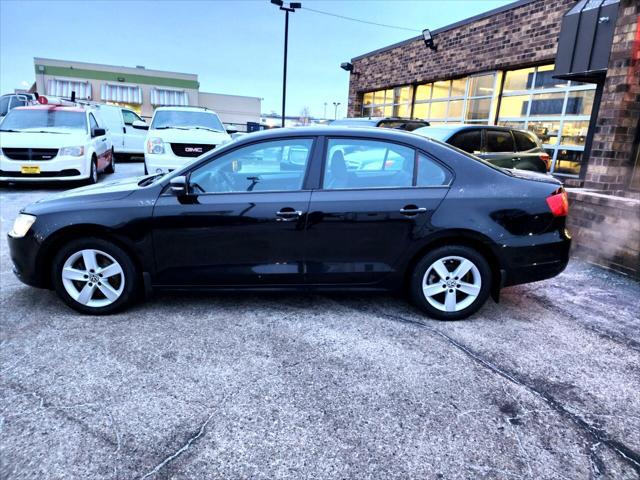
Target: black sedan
{"x": 302, "y": 209}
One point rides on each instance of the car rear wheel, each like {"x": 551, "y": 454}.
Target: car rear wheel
{"x": 95, "y": 276}
{"x": 451, "y": 283}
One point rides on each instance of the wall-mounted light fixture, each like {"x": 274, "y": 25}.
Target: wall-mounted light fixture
{"x": 428, "y": 40}
{"x": 348, "y": 67}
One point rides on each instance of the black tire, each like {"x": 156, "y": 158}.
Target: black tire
{"x": 93, "y": 174}
{"x": 421, "y": 268}
{"x": 111, "y": 168}
{"x": 131, "y": 287}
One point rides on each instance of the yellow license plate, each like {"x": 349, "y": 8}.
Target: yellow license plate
{"x": 30, "y": 169}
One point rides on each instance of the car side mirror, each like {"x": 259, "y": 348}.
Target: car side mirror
{"x": 98, "y": 132}
{"x": 178, "y": 185}
{"x": 140, "y": 125}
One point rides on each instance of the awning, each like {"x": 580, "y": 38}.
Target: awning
{"x": 585, "y": 40}
{"x": 63, "y": 88}
{"x": 110, "y": 92}
{"x": 163, "y": 96}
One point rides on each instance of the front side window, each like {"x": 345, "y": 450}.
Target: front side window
{"x": 44, "y": 119}
{"x": 355, "y": 163}
{"x": 468, "y": 140}
{"x": 499, "y": 141}
{"x": 92, "y": 122}
{"x": 129, "y": 117}
{"x": 274, "y": 166}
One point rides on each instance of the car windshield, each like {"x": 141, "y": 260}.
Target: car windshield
{"x": 44, "y": 120}
{"x": 186, "y": 119}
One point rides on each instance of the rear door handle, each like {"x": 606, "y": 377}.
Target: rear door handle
{"x": 411, "y": 210}
{"x": 288, "y": 214}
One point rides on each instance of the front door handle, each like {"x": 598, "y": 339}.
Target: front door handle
{"x": 412, "y": 210}
{"x": 288, "y": 214}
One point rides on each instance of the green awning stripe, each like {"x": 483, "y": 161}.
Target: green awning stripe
{"x": 114, "y": 76}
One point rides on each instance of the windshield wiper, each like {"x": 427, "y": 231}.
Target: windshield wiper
{"x": 206, "y": 128}
{"x": 164, "y": 128}
{"x": 149, "y": 180}
{"x": 9, "y": 130}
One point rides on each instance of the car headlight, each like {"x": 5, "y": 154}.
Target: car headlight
{"x": 21, "y": 225}
{"x": 155, "y": 145}
{"x": 72, "y": 151}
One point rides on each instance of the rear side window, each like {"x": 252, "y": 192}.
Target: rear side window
{"x": 524, "y": 141}
{"x": 355, "y": 163}
{"x": 431, "y": 173}
{"x": 499, "y": 141}
{"x": 469, "y": 140}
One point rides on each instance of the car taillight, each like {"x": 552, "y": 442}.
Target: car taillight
{"x": 559, "y": 203}
{"x": 546, "y": 159}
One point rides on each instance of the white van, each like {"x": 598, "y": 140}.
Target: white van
{"x": 128, "y": 141}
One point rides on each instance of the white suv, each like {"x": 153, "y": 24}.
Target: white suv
{"x": 54, "y": 143}
{"x": 179, "y": 134}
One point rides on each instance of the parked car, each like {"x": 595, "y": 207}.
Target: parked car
{"x": 128, "y": 141}
{"x": 449, "y": 227}
{"x": 178, "y": 135}
{"x": 503, "y": 147}
{"x": 54, "y": 142}
{"x": 13, "y": 100}
{"x": 398, "y": 123}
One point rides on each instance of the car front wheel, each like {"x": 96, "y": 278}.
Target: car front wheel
{"x": 451, "y": 282}
{"x": 94, "y": 276}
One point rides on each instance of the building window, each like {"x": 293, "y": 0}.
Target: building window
{"x": 63, "y": 88}
{"x": 170, "y": 97}
{"x": 466, "y": 100}
{"x": 393, "y": 102}
{"x": 557, "y": 111}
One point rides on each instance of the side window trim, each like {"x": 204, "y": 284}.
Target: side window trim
{"x": 205, "y": 161}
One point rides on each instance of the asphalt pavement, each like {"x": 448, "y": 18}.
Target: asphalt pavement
{"x": 544, "y": 385}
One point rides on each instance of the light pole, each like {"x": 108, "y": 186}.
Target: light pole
{"x": 290, "y": 7}
{"x": 335, "y": 110}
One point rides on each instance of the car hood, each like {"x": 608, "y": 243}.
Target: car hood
{"x": 194, "y": 136}
{"x": 102, "y": 192}
{"x": 530, "y": 175}
{"x": 41, "y": 140}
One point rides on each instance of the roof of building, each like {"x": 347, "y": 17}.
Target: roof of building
{"x": 451, "y": 26}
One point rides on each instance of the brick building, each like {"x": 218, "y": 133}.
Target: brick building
{"x": 567, "y": 70}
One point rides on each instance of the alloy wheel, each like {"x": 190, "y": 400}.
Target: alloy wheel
{"x": 451, "y": 283}
{"x": 93, "y": 278}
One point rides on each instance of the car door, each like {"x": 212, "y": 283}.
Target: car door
{"x": 375, "y": 199}
{"x": 99, "y": 143}
{"x": 133, "y": 137}
{"x": 499, "y": 148}
{"x": 242, "y": 222}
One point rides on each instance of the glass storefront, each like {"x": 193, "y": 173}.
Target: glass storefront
{"x": 558, "y": 111}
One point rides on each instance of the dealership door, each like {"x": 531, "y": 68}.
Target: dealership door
{"x": 243, "y": 222}
{"x": 368, "y": 213}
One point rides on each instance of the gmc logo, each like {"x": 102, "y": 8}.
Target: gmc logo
{"x": 193, "y": 149}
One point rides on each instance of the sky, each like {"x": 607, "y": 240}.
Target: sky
{"x": 234, "y": 46}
